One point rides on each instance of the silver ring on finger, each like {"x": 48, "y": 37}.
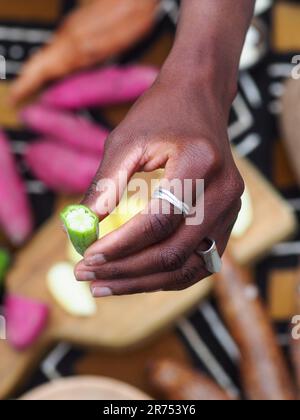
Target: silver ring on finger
{"x": 211, "y": 257}
{"x": 163, "y": 194}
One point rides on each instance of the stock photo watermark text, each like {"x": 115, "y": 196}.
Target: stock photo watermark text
{"x": 296, "y": 327}
{"x": 296, "y": 70}
{"x": 2, "y": 67}
{"x": 179, "y": 196}
{"x": 2, "y": 328}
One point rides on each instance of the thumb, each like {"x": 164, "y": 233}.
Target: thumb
{"x": 111, "y": 181}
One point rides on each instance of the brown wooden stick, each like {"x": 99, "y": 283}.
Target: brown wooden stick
{"x": 263, "y": 370}
{"x": 174, "y": 381}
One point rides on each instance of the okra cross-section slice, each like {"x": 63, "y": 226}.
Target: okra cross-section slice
{"x": 82, "y": 226}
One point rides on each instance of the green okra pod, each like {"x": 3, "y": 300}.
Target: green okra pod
{"x": 4, "y": 265}
{"x": 82, "y": 226}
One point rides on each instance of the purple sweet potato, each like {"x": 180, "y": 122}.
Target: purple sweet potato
{"x": 15, "y": 213}
{"x": 111, "y": 85}
{"x": 65, "y": 127}
{"x": 26, "y": 320}
{"x": 60, "y": 168}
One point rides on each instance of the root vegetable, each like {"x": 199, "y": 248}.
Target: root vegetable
{"x": 263, "y": 370}
{"x": 111, "y": 85}
{"x": 61, "y": 169}
{"x": 66, "y": 128}
{"x": 26, "y": 320}
{"x": 177, "y": 382}
{"x": 15, "y": 213}
{"x": 90, "y": 34}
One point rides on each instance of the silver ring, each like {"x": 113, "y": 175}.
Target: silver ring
{"x": 163, "y": 194}
{"x": 211, "y": 257}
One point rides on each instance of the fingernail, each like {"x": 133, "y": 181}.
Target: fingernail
{"x": 101, "y": 292}
{"x": 98, "y": 259}
{"x": 85, "y": 276}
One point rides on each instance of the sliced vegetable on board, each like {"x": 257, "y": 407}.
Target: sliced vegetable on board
{"x": 60, "y": 168}
{"x": 73, "y": 296}
{"x": 111, "y": 85}
{"x": 245, "y": 217}
{"x": 26, "y": 320}
{"x": 15, "y": 213}
{"x": 66, "y": 128}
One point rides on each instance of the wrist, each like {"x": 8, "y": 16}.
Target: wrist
{"x": 204, "y": 74}
{"x": 208, "y": 45}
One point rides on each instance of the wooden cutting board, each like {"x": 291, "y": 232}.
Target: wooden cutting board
{"x": 273, "y": 218}
{"x": 122, "y": 322}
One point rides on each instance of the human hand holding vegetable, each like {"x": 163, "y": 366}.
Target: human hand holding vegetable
{"x": 179, "y": 124}
{"x": 89, "y": 35}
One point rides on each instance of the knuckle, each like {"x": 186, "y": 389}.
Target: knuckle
{"x": 238, "y": 206}
{"x": 185, "y": 277}
{"x": 214, "y": 159}
{"x": 232, "y": 188}
{"x": 122, "y": 135}
{"x": 92, "y": 191}
{"x": 158, "y": 226}
{"x": 209, "y": 156}
{"x": 114, "y": 272}
{"x": 112, "y": 140}
{"x": 237, "y": 186}
{"x": 171, "y": 259}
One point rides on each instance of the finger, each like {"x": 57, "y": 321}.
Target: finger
{"x": 191, "y": 273}
{"x": 161, "y": 218}
{"x": 166, "y": 256}
{"x": 137, "y": 234}
{"x": 115, "y": 171}
{"x": 169, "y": 255}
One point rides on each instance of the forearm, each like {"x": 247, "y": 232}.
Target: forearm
{"x": 209, "y": 41}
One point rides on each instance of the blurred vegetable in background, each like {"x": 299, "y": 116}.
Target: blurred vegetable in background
{"x": 15, "y": 214}
{"x": 60, "y": 168}
{"x": 67, "y": 158}
{"x": 110, "y": 27}
{"x": 26, "y": 320}
{"x": 174, "y": 381}
{"x": 65, "y": 128}
{"x": 264, "y": 373}
{"x": 111, "y": 85}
